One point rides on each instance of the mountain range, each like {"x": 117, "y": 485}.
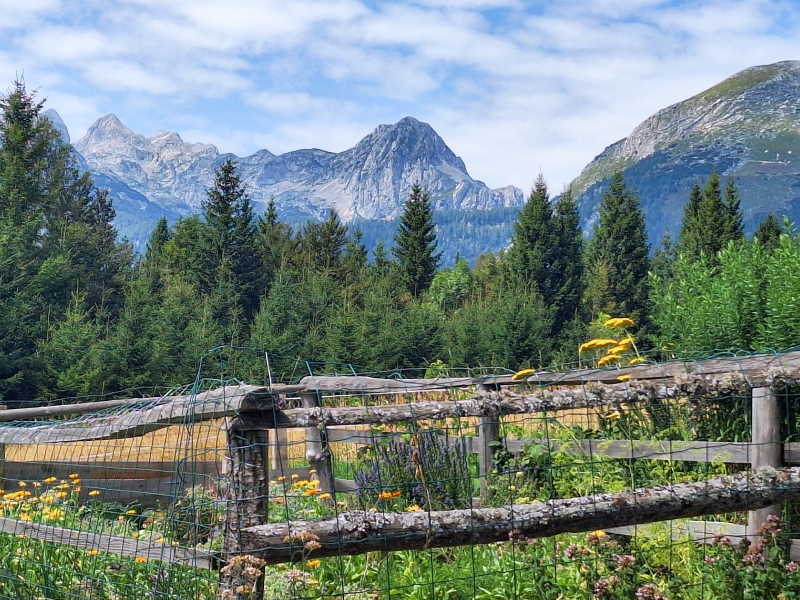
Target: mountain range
{"x": 746, "y": 127}
{"x": 162, "y": 174}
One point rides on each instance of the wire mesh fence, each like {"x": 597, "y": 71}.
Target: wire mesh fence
{"x": 668, "y": 480}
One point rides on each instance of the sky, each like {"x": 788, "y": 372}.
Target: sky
{"x": 514, "y": 88}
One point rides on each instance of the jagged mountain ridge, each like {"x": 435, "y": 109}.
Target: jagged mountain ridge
{"x": 369, "y": 181}
{"x": 747, "y": 127}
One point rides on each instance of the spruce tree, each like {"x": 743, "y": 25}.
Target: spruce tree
{"x": 322, "y": 244}
{"x": 620, "y": 245}
{"x": 415, "y": 243}
{"x": 769, "y": 233}
{"x": 734, "y": 229}
{"x": 691, "y": 235}
{"x": 231, "y": 238}
{"x": 275, "y": 243}
{"x": 530, "y": 257}
{"x": 568, "y": 280}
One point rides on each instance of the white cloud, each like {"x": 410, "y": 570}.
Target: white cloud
{"x": 512, "y": 86}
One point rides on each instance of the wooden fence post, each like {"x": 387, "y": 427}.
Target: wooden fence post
{"x": 247, "y": 501}
{"x": 318, "y": 453}
{"x": 766, "y": 449}
{"x": 280, "y": 446}
{"x": 489, "y": 432}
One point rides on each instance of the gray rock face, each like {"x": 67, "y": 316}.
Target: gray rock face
{"x": 371, "y": 180}
{"x": 747, "y": 128}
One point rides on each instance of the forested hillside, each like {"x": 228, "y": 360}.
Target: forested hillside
{"x": 79, "y": 314}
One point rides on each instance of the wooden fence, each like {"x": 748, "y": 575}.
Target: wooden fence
{"x": 257, "y": 418}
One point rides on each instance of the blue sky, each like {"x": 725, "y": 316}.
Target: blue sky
{"x": 513, "y": 87}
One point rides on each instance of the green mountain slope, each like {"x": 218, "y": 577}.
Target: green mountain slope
{"x": 747, "y": 127}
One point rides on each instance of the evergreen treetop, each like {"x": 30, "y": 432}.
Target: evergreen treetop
{"x": 415, "y": 243}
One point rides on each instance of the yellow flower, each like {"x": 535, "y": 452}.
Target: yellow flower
{"x": 94, "y": 493}
{"x": 617, "y": 349}
{"x": 513, "y": 488}
{"x": 597, "y": 343}
{"x": 312, "y": 472}
{"x": 599, "y": 533}
{"x": 22, "y": 484}
{"x": 627, "y": 341}
{"x": 273, "y": 482}
{"x": 519, "y": 474}
{"x": 314, "y": 482}
{"x": 135, "y": 536}
{"x": 160, "y": 540}
{"x": 522, "y": 374}
{"x": 25, "y": 517}
{"x": 37, "y": 484}
{"x": 324, "y": 496}
{"x": 314, "y": 563}
{"x": 130, "y": 512}
{"x": 76, "y": 481}
{"x": 94, "y": 552}
{"x": 637, "y": 360}
{"x": 623, "y": 377}
{"x": 522, "y": 500}
{"x": 619, "y": 322}
{"x": 73, "y": 476}
{"x": 78, "y": 489}
{"x": 141, "y": 559}
{"x": 281, "y": 478}
{"x": 414, "y": 508}
{"x": 607, "y": 359}
{"x": 301, "y": 483}
{"x": 295, "y": 476}
{"x": 614, "y": 415}
{"x": 61, "y": 495}
{"x": 311, "y": 492}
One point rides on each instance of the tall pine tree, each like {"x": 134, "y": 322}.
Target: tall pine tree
{"x": 415, "y": 243}
{"x": 620, "y": 245}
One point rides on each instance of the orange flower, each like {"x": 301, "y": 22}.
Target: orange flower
{"x": 314, "y": 563}
{"x": 141, "y": 559}
{"x": 94, "y": 552}
{"x": 311, "y": 492}
{"x": 279, "y": 501}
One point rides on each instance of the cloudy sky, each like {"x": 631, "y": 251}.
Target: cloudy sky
{"x": 513, "y": 87}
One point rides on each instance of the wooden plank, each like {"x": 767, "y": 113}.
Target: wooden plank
{"x": 41, "y": 470}
{"x": 794, "y": 550}
{"x": 345, "y": 485}
{"x": 504, "y": 402}
{"x": 724, "y": 452}
{"x": 358, "y": 532}
{"x": 318, "y": 453}
{"x": 160, "y": 413}
{"x": 791, "y": 453}
{"x": 765, "y": 448}
{"x": 373, "y": 385}
{"x": 488, "y": 436}
{"x": 703, "y": 532}
{"x": 112, "y": 544}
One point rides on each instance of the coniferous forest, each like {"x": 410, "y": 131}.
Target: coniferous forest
{"x": 81, "y": 314}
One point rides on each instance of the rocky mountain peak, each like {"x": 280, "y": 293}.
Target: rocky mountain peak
{"x": 747, "y": 127}
{"x": 58, "y": 123}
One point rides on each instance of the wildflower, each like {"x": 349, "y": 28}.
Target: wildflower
{"x": 512, "y": 488}
{"x": 281, "y": 478}
{"x": 414, "y": 508}
{"x": 607, "y": 359}
{"x": 76, "y": 481}
{"x": 324, "y": 496}
{"x": 791, "y": 567}
{"x": 623, "y": 378}
{"x": 141, "y": 559}
{"x": 314, "y": 483}
{"x": 619, "y": 322}
{"x": 311, "y": 492}
{"x": 50, "y": 480}
{"x": 301, "y": 483}
{"x": 36, "y": 484}
{"x": 397, "y": 494}
{"x": 94, "y": 493}
{"x": 73, "y": 476}
{"x": 519, "y": 474}
{"x": 78, "y": 489}
{"x": 597, "y": 343}
{"x": 617, "y": 350}
{"x": 637, "y": 360}
{"x": 22, "y": 484}
{"x": 385, "y": 496}
{"x": 130, "y": 512}
{"x": 295, "y": 476}
{"x": 626, "y": 341}
{"x": 135, "y": 536}
{"x": 25, "y": 517}
{"x": 524, "y": 373}
{"x": 314, "y": 563}
{"x": 614, "y": 414}
{"x": 62, "y": 495}
{"x": 94, "y": 552}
